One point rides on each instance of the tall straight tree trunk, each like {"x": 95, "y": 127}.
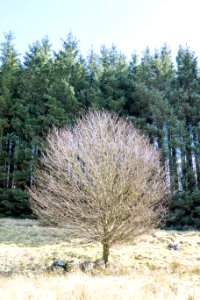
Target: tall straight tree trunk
{"x": 155, "y": 142}
{"x": 33, "y": 151}
{"x": 1, "y": 146}
{"x": 190, "y": 161}
{"x": 179, "y": 169}
{"x": 166, "y": 155}
{"x": 9, "y": 163}
{"x": 13, "y": 184}
{"x": 197, "y": 155}
{"x": 193, "y": 158}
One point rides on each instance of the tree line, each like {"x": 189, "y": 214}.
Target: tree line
{"x": 49, "y": 88}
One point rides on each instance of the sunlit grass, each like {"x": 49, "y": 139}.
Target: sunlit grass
{"x": 145, "y": 269}
{"x": 81, "y": 286}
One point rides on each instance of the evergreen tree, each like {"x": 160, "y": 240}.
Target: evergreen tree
{"x": 185, "y": 99}
{"x": 52, "y": 88}
{"x": 12, "y": 199}
{"x": 187, "y": 104}
{"x": 70, "y": 78}
{"x": 113, "y": 80}
{"x": 93, "y": 73}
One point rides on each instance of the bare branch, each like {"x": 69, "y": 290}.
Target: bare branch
{"x": 102, "y": 181}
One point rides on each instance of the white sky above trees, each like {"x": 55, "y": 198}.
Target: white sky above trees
{"x": 129, "y": 24}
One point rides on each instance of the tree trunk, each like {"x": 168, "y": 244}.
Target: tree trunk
{"x": 106, "y": 249}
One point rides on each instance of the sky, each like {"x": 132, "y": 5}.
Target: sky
{"x": 131, "y": 25}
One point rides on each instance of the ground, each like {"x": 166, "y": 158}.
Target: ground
{"x": 145, "y": 269}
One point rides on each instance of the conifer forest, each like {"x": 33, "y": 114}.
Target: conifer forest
{"x": 47, "y": 88}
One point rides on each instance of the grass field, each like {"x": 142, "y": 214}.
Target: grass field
{"x": 145, "y": 269}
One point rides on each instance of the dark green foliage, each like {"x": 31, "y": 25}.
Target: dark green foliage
{"x": 14, "y": 202}
{"x": 185, "y": 211}
{"x": 53, "y": 88}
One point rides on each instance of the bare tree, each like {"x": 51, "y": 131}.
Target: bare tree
{"x": 102, "y": 180}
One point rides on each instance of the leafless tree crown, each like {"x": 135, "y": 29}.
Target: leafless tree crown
{"x": 102, "y": 180}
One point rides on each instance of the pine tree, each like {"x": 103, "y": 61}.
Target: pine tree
{"x": 113, "y": 80}
{"x": 93, "y": 73}
{"x": 187, "y": 104}
{"x": 70, "y": 78}
{"x": 185, "y": 100}
{"x": 12, "y": 199}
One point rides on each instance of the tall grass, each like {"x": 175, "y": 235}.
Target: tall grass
{"x": 81, "y": 286}
{"x": 146, "y": 269}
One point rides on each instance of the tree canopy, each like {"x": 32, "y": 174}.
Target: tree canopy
{"x": 48, "y": 88}
{"x": 100, "y": 180}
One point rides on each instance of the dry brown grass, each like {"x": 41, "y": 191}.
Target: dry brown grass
{"x": 81, "y": 286}
{"x": 146, "y": 269}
